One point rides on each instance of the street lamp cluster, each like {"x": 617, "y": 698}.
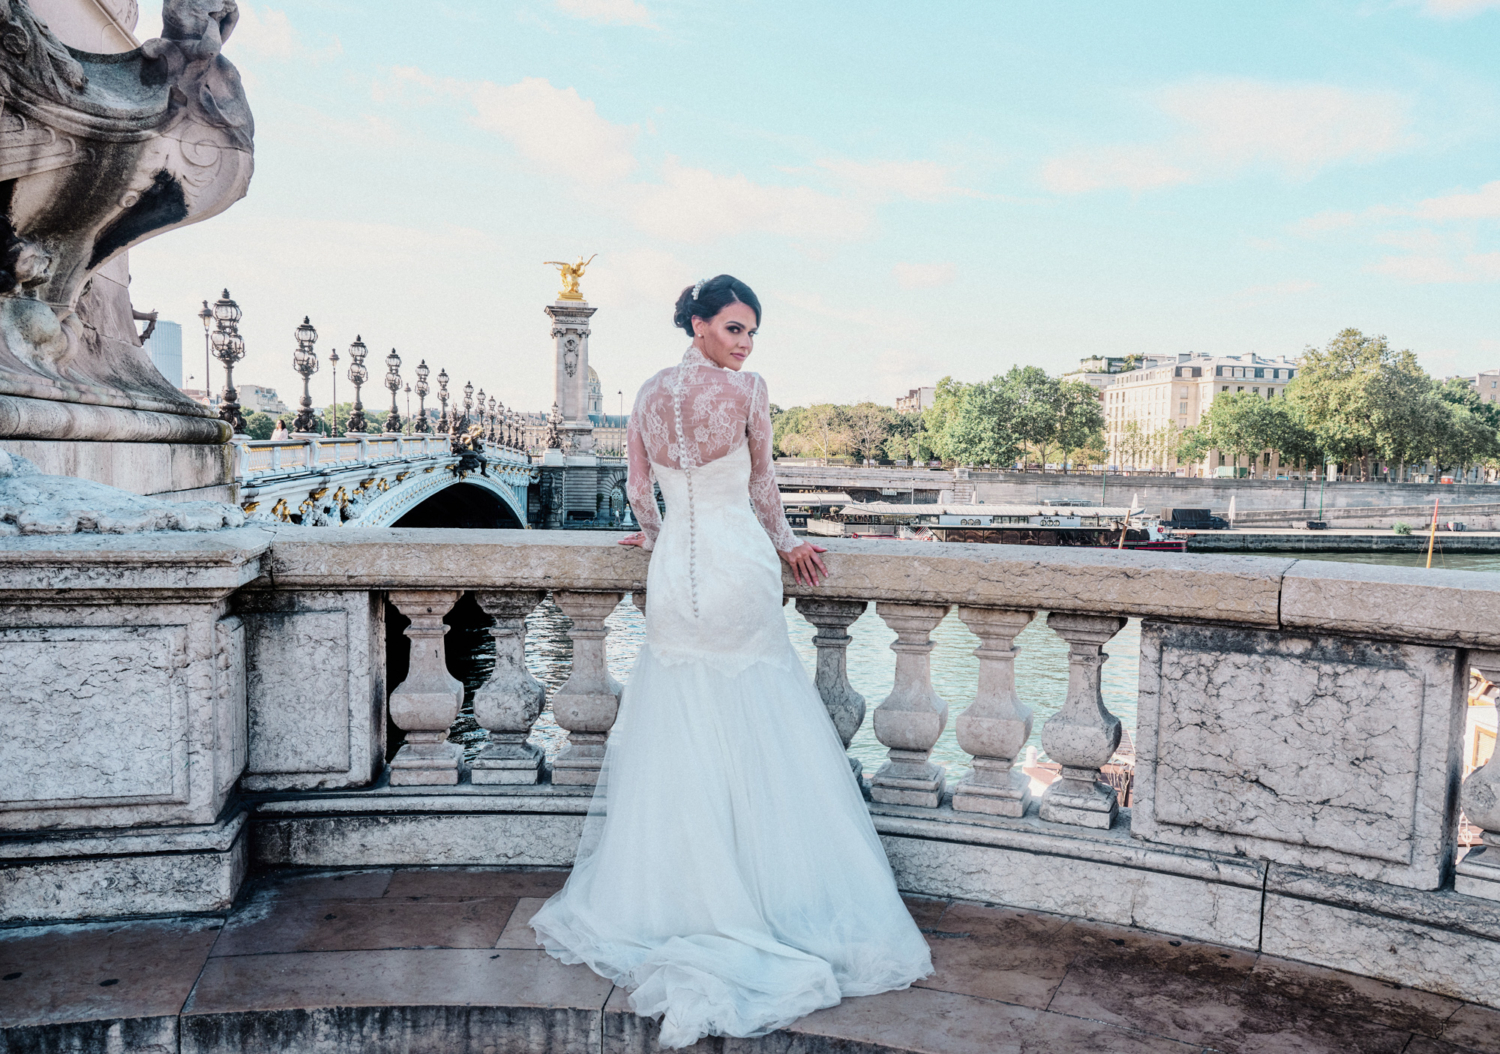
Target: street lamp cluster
{"x": 488, "y": 421}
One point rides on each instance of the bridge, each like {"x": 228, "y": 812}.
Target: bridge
{"x": 392, "y": 480}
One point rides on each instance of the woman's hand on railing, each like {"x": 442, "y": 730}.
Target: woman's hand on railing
{"x": 633, "y": 539}
{"x": 805, "y": 564}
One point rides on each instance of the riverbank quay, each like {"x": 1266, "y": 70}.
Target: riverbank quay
{"x": 443, "y": 960}
{"x": 187, "y": 708}
{"x": 1340, "y": 540}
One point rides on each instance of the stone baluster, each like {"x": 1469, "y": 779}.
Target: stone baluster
{"x": 426, "y": 704}
{"x": 996, "y": 725}
{"x": 913, "y": 715}
{"x": 1479, "y": 871}
{"x": 587, "y": 703}
{"x": 845, "y": 706}
{"x": 511, "y": 700}
{"x": 1083, "y": 735}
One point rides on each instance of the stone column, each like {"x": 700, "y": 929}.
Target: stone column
{"x": 426, "y": 704}
{"x": 913, "y": 715}
{"x": 996, "y": 725}
{"x": 845, "y": 706}
{"x": 587, "y": 703}
{"x": 570, "y": 334}
{"x": 1083, "y": 735}
{"x": 511, "y": 700}
{"x": 1479, "y": 871}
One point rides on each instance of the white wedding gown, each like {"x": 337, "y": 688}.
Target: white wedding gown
{"x": 729, "y": 874}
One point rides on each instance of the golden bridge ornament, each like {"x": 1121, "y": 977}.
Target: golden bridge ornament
{"x": 571, "y": 273}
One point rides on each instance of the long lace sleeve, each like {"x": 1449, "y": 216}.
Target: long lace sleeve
{"x": 639, "y": 486}
{"x": 763, "y": 493}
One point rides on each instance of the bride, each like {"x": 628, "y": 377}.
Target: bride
{"x": 729, "y": 874}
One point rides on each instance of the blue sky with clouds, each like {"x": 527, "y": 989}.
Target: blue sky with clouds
{"x": 914, "y": 190}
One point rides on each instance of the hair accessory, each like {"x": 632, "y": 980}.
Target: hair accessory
{"x": 698, "y": 288}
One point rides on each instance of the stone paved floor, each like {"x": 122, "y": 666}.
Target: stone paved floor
{"x": 442, "y": 960}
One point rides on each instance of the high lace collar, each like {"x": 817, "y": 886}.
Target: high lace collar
{"x": 694, "y": 357}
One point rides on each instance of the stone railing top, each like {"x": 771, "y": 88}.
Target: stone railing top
{"x": 1457, "y": 608}
{"x": 1448, "y": 607}
{"x": 217, "y": 561}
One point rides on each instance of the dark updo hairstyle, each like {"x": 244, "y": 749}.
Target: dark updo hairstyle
{"x": 714, "y": 296}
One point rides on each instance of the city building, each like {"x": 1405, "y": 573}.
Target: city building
{"x": 1101, "y": 370}
{"x": 255, "y": 397}
{"x": 916, "y": 400}
{"x": 165, "y": 348}
{"x": 1488, "y": 384}
{"x": 1174, "y": 394}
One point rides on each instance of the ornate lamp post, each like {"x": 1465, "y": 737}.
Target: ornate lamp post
{"x": 554, "y": 428}
{"x": 479, "y": 409}
{"x": 468, "y": 399}
{"x": 490, "y": 423}
{"x": 229, "y": 348}
{"x": 207, "y": 317}
{"x": 358, "y": 374}
{"x": 393, "y": 382}
{"x": 305, "y": 362}
{"x": 422, "y": 390}
{"x": 333, "y": 368}
{"x": 444, "y": 425}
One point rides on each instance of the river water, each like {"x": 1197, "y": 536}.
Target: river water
{"x": 1041, "y": 666}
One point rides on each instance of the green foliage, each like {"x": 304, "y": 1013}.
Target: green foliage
{"x": 259, "y": 425}
{"x": 1401, "y": 528}
{"x": 1243, "y": 424}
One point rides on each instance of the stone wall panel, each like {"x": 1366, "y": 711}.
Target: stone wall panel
{"x": 1316, "y": 750}
{"x": 315, "y": 680}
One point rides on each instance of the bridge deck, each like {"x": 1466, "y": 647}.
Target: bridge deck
{"x": 442, "y": 959}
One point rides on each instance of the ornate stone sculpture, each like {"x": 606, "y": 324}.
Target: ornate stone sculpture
{"x": 571, "y": 273}
{"x": 97, "y": 154}
{"x": 34, "y": 503}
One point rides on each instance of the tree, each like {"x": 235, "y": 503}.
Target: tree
{"x": 784, "y": 425}
{"x": 933, "y": 439}
{"x": 1135, "y": 445}
{"x": 869, "y": 424}
{"x": 1034, "y": 396}
{"x": 823, "y": 432}
{"x": 983, "y": 430}
{"x": 902, "y": 441}
{"x": 1357, "y": 397}
{"x": 1080, "y": 418}
{"x": 259, "y": 425}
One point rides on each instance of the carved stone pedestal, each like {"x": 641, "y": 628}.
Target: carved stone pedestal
{"x": 426, "y": 704}
{"x": 1083, "y": 735}
{"x": 511, "y": 699}
{"x": 1478, "y": 873}
{"x": 587, "y": 703}
{"x": 846, "y": 707}
{"x": 995, "y": 728}
{"x": 913, "y": 715}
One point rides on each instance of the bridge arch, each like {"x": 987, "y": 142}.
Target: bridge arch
{"x": 467, "y": 504}
{"x": 476, "y": 500}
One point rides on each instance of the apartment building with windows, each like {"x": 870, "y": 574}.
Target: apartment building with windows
{"x": 1173, "y": 394}
{"x": 1488, "y": 384}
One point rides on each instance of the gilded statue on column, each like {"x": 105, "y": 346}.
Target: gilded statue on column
{"x": 571, "y": 273}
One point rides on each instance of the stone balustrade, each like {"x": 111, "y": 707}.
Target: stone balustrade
{"x": 262, "y": 458}
{"x": 1298, "y": 743}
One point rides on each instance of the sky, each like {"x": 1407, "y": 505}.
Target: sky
{"x": 913, "y": 190}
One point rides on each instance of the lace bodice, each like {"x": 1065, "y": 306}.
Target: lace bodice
{"x": 692, "y": 414}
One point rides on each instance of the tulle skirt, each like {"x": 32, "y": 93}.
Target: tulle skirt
{"x": 729, "y": 874}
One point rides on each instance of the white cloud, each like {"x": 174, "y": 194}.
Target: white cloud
{"x": 1226, "y": 126}
{"x": 608, "y": 12}
{"x": 1482, "y": 204}
{"x": 1425, "y": 269}
{"x": 924, "y": 276}
{"x": 1458, "y": 8}
{"x": 696, "y": 205}
{"x": 558, "y": 131}
{"x": 885, "y": 180}
{"x": 555, "y": 129}
{"x": 267, "y": 33}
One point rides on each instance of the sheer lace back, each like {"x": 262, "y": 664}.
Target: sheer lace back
{"x": 691, "y": 415}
